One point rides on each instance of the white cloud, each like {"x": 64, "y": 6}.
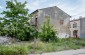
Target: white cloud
{"x": 75, "y": 11}
{"x": 80, "y": 11}
{"x": 65, "y": 7}
{"x": 71, "y": 9}
{"x": 35, "y": 5}
{"x": 1, "y": 7}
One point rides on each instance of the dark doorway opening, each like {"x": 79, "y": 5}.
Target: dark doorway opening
{"x": 75, "y": 33}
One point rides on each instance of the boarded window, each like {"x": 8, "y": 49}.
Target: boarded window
{"x": 36, "y": 21}
{"x": 61, "y": 22}
{"x": 47, "y": 17}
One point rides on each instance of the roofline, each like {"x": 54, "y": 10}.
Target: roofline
{"x": 49, "y": 7}
{"x": 35, "y": 11}
{"x": 63, "y": 11}
{"x": 74, "y": 20}
{"x": 77, "y": 19}
{"x": 41, "y": 9}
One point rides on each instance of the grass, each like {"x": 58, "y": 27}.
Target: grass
{"x": 27, "y": 47}
{"x": 12, "y": 50}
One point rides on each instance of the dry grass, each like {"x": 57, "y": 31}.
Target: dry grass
{"x": 62, "y": 44}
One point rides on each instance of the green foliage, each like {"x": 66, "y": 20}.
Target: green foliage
{"x": 1, "y": 26}
{"x": 47, "y": 33}
{"x": 27, "y": 33}
{"x": 12, "y": 50}
{"x": 41, "y": 47}
{"x": 16, "y": 21}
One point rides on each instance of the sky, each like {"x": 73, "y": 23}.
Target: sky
{"x": 75, "y": 8}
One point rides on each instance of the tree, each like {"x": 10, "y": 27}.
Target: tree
{"x": 16, "y": 20}
{"x": 1, "y": 27}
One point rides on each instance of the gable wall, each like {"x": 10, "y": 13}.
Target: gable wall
{"x": 55, "y": 15}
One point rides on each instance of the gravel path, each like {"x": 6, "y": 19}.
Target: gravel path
{"x": 66, "y": 52}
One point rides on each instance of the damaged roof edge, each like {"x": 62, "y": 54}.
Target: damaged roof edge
{"x": 34, "y": 11}
{"x": 49, "y": 7}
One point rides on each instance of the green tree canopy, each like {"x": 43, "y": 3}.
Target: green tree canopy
{"x": 16, "y": 20}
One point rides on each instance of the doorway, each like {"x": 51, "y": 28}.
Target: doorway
{"x": 75, "y": 33}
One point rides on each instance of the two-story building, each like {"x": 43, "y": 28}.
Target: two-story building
{"x": 58, "y": 18}
{"x": 77, "y": 28}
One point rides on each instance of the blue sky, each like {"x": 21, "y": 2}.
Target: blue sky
{"x": 75, "y": 8}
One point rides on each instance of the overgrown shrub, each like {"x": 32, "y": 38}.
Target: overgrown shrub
{"x": 47, "y": 32}
{"x": 27, "y": 33}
